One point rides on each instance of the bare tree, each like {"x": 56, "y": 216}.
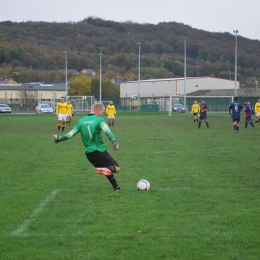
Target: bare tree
{"x": 26, "y": 95}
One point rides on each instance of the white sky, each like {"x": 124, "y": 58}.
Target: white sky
{"x": 208, "y": 15}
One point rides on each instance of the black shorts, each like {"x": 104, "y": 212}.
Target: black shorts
{"x": 101, "y": 159}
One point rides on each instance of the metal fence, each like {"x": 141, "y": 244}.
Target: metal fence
{"x": 84, "y": 104}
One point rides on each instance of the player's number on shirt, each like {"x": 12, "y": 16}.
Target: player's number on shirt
{"x": 89, "y": 132}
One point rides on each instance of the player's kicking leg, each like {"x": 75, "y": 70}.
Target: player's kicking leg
{"x": 108, "y": 171}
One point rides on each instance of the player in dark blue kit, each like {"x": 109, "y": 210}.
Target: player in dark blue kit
{"x": 235, "y": 108}
{"x": 203, "y": 113}
{"x": 248, "y": 114}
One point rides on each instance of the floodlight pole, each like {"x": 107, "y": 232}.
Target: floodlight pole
{"x": 100, "y": 76}
{"x": 66, "y": 73}
{"x": 184, "y": 71}
{"x": 235, "y": 92}
{"x": 139, "y": 43}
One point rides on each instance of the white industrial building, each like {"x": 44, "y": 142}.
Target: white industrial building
{"x": 161, "y": 88}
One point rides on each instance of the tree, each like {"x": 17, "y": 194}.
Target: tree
{"x": 95, "y": 87}
{"x": 21, "y": 75}
{"x": 25, "y": 94}
{"x": 109, "y": 89}
{"x": 111, "y": 74}
{"x": 131, "y": 75}
{"x": 162, "y": 46}
{"x": 80, "y": 85}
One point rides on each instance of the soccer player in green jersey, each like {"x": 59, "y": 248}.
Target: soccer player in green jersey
{"x": 90, "y": 128}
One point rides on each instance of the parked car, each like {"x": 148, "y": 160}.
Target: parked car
{"x": 178, "y": 108}
{"x": 5, "y": 108}
{"x": 43, "y": 109}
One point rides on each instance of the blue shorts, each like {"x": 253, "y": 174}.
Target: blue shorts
{"x": 236, "y": 119}
{"x": 248, "y": 118}
{"x": 203, "y": 116}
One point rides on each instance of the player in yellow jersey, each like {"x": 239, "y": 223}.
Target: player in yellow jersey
{"x": 62, "y": 113}
{"x": 111, "y": 113}
{"x": 70, "y": 112}
{"x": 195, "y": 110}
{"x": 257, "y": 111}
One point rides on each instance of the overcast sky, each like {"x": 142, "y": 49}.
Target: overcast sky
{"x": 208, "y": 15}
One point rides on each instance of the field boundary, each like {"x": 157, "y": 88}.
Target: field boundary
{"x": 20, "y": 231}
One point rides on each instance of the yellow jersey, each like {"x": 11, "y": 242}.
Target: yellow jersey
{"x": 70, "y": 108}
{"x": 62, "y": 108}
{"x": 111, "y": 110}
{"x": 195, "y": 108}
{"x": 257, "y": 107}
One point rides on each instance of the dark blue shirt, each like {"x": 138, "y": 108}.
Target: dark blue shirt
{"x": 202, "y": 107}
{"x": 248, "y": 111}
{"x": 236, "y": 107}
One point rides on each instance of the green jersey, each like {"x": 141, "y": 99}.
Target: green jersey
{"x": 90, "y": 128}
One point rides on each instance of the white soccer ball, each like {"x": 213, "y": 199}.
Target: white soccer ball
{"x": 143, "y": 185}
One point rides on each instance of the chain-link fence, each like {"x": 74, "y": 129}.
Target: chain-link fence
{"x": 84, "y": 104}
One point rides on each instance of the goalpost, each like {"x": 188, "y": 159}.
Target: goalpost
{"x": 214, "y": 103}
{"x": 79, "y": 103}
{"x": 163, "y": 103}
{"x": 82, "y": 103}
{"x": 105, "y": 103}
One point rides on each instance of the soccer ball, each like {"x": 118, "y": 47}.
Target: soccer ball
{"x": 143, "y": 185}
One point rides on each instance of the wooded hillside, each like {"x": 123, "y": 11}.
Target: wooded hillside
{"x": 40, "y": 46}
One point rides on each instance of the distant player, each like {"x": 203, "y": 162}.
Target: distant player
{"x": 61, "y": 113}
{"x": 257, "y": 111}
{"x": 195, "y": 110}
{"x": 70, "y": 111}
{"x": 245, "y": 103}
{"x": 248, "y": 114}
{"x": 234, "y": 110}
{"x": 111, "y": 113}
{"x": 203, "y": 113}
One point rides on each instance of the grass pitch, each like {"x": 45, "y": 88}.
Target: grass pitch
{"x": 204, "y": 201}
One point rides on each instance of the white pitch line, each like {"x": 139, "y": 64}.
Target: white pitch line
{"x": 23, "y": 227}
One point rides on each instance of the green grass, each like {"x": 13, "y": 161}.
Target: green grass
{"x": 204, "y": 201}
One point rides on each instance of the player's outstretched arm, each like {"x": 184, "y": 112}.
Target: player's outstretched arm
{"x": 110, "y": 135}
{"x": 107, "y": 131}
{"x": 67, "y": 136}
{"x": 58, "y": 139}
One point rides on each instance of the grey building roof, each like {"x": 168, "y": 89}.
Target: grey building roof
{"x": 118, "y": 80}
{"x": 131, "y": 79}
{"x": 3, "y": 81}
{"x": 10, "y": 86}
{"x": 69, "y": 70}
{"x": 35, "y": 86}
